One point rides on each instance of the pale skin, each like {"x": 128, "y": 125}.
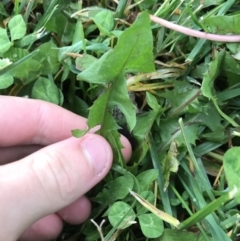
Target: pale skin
{"x": 45, "y": 172}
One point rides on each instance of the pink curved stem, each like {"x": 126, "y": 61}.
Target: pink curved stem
{"x": 195, "y": 33}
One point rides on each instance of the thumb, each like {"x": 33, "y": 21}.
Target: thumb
{"x": 50, "y": 180}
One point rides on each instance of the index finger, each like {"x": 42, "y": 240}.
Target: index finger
{"x": 26, "y": 121}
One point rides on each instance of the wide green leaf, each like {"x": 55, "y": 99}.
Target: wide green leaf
{"x": 146, "y": 178}
{"x": 121, "y": 211}
{"x": 85, "y": 61}
{"x": 211, "y": 74}
{"x": 6, "y": 80}
{"x": 151, "y": 225}
{"x": 104, "y": 21}
{"x": 133, "y": 53}
{"x": 208, "y": 89}
{"x": 48, "y": 57}
{"x": 177, "y": 235}
{"x": 17, "y": 27}
{"x": 45, "y": 89}
{"x": 5, "y": 43}
{"x": 223, "y": 24}
{"x": 26, "y": 71}
{"x": 135, "y": 56}
{"x": 115, "y": 190}
{"x": 231, "y": 162}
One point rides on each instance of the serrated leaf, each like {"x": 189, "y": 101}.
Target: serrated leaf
{"x": 45, "y": 89}
{"x": 169, "y": 130}
{"x": 211, "y": 74}
{"x": 191, "y": 133}
{"x": 231, "y": 163}
{"x": 152, "y": 102}
{"x": 216, "y": 136}
{"x": 141, "y": 130}
{"x": 133, "y": 53}
{"x": 135, "y": 56}
{"x": 17, "y": 27}
{"x": 5, "y": 43}
{"x": 100, "y": 115}
{"x": 151, "y": 225}
{"x": 210, "y": 118}
{"x": 120, "y": 98}
{"x": 208, "y": 81}
{"x": 118, "y": 211}
{"x": 179, "y": 97}
{"x": 223, "y": 24}
{"x": 97, "y": 117}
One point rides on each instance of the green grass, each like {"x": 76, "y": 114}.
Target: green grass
{"x": 183, "y": 113}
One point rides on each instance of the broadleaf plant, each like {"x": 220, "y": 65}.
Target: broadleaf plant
{"x": 163, "y": 73}
{"x": 132, "y": 54}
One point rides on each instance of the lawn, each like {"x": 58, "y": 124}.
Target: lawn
{"x": 164, "y": 73}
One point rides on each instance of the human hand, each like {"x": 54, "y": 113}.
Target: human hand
{"x": 53, "y": 172}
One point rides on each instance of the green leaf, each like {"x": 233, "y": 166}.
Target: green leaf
{"x": 3, "y": 11}
{"x": 79, "y": 133}
{"x": 5, "y": 43}
{"x": 180, "y": 97}
{"x": 104, "y": 21}
{"x": 85, "y": 61}
{"x": 146, "y": 178}
{"x": 170, "y": 130}
{"x": 210, "y": 118}
{"x": 48, "y": 57}
{"x": 135, "y": 56}
{"x": 151, "y": 225}
{"x": 208, "y": 84}
{"x": 100, "y": 114}
{"x": 6, "y": 80}
{"x": 4, "y": 63}
{"x": 17, "y": 27}
{"x": 152, "y": 102}
{"x": 211, "y": 74}
{"x": 223, "y": 24}
{"x": 177, "y": 235}
{"x": 45, "y": 89}
{"x": 230, "y": 65}
{"x": 145, "y": 5}
{"x": 231, "y": 163}
{"x": 141, "y": 130}
{"x": 170, "y": 163}
{"x": 121, "y": 211}
{"x": 115, "y": 190}
{"x": 26, "y": 71}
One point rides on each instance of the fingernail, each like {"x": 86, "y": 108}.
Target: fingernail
{"x": 98, "y": 152}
